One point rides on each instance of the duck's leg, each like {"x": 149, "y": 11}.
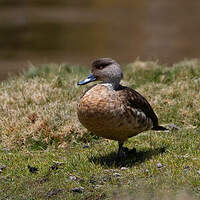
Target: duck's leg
{"x": 120, "y": 153}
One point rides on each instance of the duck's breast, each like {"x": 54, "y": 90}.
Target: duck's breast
{"x": 100, "y": 103}
{"x": 106, "y": 113}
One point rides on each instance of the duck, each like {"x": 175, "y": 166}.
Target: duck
{"x": 112, "y": 111}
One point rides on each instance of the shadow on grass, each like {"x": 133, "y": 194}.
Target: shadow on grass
{"x": 132, "y": 157}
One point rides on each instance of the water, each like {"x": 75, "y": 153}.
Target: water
{"x": 43, "y": 31}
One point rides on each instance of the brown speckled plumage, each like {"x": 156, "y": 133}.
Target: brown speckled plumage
{"x": 114, "y": 111}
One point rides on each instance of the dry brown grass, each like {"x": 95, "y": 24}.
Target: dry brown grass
{"x": 38, "y": 108}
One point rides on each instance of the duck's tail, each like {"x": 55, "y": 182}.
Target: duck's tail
{"x": 159, "y": 128}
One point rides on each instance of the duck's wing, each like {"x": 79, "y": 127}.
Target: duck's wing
{"x": 137, "y": 101}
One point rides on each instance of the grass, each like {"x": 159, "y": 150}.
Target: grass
{"x": 39, "y": 128}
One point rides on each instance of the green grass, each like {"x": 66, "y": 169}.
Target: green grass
{"x": 39, "y": 127}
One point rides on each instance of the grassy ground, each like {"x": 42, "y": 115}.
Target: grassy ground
{"x": 45, "y": 153}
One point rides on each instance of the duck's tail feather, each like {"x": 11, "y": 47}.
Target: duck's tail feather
{"x": 159, "y": 128}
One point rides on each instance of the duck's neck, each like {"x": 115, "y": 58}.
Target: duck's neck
{"x": 112, "y": 84}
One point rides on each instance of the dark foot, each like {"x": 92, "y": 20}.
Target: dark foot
{"x": 124, "y": 153}
{"x": 125, "y": 149}
{"x": 121, "y": 155}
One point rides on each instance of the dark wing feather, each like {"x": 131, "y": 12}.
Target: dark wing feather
{"x": 136, "y": 100}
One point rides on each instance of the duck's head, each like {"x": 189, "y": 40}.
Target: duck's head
{"x": 106, "y": 70}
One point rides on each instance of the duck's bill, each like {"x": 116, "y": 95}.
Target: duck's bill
{"x": 89, "y": 79}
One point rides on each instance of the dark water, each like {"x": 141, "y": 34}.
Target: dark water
{"x": 43, "y": 31}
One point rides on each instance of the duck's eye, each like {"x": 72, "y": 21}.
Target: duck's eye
{"x": 101, "y": 67}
